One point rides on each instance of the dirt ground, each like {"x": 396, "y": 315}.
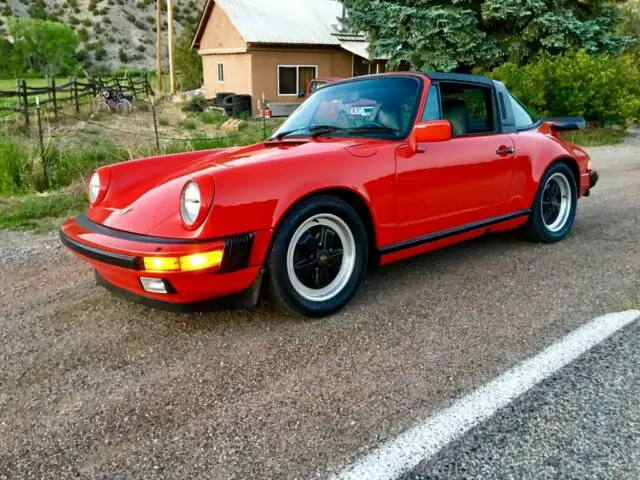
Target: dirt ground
{"x": 94, "y": 386}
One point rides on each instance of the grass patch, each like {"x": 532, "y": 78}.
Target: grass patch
{"x": 209, "y": 118}
{"x": 23, "y": 168}
{"x": 631, "y": 305}
{"x": 41, "y": 211}
{"x": 164, "y": 122}
{"x": 595, "y": 136}
{"x": 187, "y": 124}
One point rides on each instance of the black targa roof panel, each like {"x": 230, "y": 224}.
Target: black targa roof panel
{"x": 458, "y": 77}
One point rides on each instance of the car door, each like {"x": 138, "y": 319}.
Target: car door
{"x": 453, "y": 184}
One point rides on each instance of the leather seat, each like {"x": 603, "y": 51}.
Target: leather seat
{"x": 390, "y": 119}
{"x": 457, "y": 113}
{"x": 387, "y": 115}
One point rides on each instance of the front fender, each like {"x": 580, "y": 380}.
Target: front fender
{"x": 256, "y": 197}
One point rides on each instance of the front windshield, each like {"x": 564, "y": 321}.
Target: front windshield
{"x": 380, "y": 107}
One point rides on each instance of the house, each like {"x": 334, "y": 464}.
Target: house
{"x": 271, "y": 48}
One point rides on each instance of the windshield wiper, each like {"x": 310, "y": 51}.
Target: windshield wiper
{"x": 318, "y": 130}
{"x": 375, "y": 128}
{"x": 361, "y": 129}
{"x": 315, "y": 130}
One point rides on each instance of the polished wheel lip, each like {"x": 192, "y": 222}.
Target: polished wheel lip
{"x": 347, "y": 266}
{"x": 556, "y": 202}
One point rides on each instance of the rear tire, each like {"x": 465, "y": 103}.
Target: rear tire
{"x": 554, "y": 208}
{"x": 318, "y": 258}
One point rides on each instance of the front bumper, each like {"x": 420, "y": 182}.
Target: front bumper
{"x": 117, "y": 258}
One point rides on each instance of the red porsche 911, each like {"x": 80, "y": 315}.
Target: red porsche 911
{"x": 441, "y": 158}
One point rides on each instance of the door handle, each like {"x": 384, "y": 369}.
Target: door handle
{"x": 505, "y": 151}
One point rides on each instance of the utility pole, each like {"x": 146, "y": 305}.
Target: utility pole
{"x": 172, "y": 64}
{"x": 159, "y": 78}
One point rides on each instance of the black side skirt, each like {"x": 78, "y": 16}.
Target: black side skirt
{"x": 434, "y": 237}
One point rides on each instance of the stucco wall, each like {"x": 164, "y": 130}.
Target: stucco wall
{"x": 330, "y": 63}
{"x": 237, "y": 74}
{"x": 220, "y": 32}
{"x": 256, "y": 72}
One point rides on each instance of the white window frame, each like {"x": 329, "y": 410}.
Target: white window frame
{"x": 219, "y": 70}
{"x": 297, "y": 67}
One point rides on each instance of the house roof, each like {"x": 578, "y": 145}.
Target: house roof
{"x": 293, "y": 22}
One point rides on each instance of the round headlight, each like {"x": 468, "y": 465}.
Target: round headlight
{"x": 94, "y": 187}
{"x": 190, "y": 203}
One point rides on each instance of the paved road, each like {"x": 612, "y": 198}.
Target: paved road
{"x": 584, "y": 422}
{"x": 93, "y": 386}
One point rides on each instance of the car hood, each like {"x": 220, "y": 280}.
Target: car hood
{"x": 145, "y": 194}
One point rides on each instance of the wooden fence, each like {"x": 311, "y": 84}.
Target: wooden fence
{"x": 74, "y": 93}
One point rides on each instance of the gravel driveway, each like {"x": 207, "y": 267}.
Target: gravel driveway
{"x": 93, "y": 386}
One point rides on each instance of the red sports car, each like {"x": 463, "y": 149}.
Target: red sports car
{"x": 441, "y": 158}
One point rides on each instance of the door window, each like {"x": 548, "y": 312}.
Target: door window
{"x": 469, "y": 108}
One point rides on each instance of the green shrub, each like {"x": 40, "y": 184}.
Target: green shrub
{"x": 13, "y": 161}
{"x": 195, "y": 104}
{"x": 603, "y": 89}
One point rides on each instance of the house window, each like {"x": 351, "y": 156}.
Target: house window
{"x": 220, "y": 72}
{"x": 293, "y": 79}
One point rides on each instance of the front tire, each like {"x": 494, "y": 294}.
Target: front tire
{"x": 554, "y": 208}
{"x": 318, "y": 258}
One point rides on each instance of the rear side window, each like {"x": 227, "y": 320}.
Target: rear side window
{"x": 522, "y": 116}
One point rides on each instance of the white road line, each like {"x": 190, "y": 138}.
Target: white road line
{"x": 427, "y": 438}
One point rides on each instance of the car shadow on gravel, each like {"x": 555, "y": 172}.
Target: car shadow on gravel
{"x": 413, "y": 270}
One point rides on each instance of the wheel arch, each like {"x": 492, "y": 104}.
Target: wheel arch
{"x": 354, "y": 198}
{"x": 573, "y": 166}
{"x": 569, "y": 162}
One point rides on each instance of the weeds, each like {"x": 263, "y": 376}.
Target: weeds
{"x": 188, "y": 124}
{"x": 31, "y": 212}
{"x": 595, "y": 136}
{"x": 209, "y": 118}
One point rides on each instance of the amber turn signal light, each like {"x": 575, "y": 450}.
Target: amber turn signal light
{"x": 196, "y": 261}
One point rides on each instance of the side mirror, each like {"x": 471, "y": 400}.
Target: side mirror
{"x": 302, "y": 94}
{"x": 432, "y": 131}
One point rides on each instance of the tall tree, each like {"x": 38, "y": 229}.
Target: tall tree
{"x": 188, "y": 62}
{"x": 461, "y": 34}
{"x": 43, "y": 46}
{"x": 631, "y": 23}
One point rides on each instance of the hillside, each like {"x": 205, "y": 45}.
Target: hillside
{"x": 113, "y": 33}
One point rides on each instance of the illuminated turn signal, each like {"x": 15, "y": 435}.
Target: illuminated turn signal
{"x": 161, "y": 264}
{"x": 199, "y": 261}
{"x": 196, "y": 261}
